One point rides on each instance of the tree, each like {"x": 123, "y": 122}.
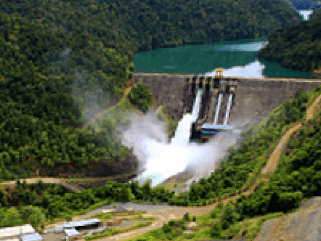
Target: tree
{"x": 229, "y": 216}
{"x": 140, "y": 96}
{"x": 11, "y": 217}
{"x": 126, "y": 194}
{"x": 32, "y": 215}
{"x": 187, "y": 217}
{"x": 68, "y": 217}
{"x": 215, "y": 230}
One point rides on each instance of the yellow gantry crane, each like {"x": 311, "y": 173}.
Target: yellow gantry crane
{"x": 219, "y": 72}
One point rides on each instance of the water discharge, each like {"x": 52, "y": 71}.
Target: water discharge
{"x": 218, "y": 108}
{"x": 161, "y": 159}
{"x": 183, "y": 130}
{"x": 227, "y": 113}
{"x": 165, "y": 160}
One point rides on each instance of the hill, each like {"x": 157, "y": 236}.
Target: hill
{"x": 298, "y": 47}
{"x": 62, "y": 62}
{"x": 264, "y": 195}
{"x": 50, "y": 83}
{"x": 144, "y": 25}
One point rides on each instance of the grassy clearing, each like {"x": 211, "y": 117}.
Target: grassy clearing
{"x": 118, "y": 113}
{"x": 171, "y": 186}
{"x": 173, "y": 230}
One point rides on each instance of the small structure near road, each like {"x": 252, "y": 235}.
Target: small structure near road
{"x": 112, "y": 222}
{"x": 72, "y": 234}
{"x": 113, "y": 210}
{"x": 191, "y": 224}
{"x": 71, "y": 229}
{"x": 31, "y": 237}
{"x": 117, "y": 209}
{"x": 20, "y": 233}
{"x": 83, "y": 224}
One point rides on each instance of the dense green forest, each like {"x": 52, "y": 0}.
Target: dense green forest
{"x": 50, "y": 82}
{"x": 131, "y": 25}
{"x": 62, "y": 61}
{"x": 298, "y": 47}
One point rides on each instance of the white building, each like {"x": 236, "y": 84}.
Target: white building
{"x": 19, "y": 233}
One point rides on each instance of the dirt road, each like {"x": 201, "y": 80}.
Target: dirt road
{"x": 171, "y": 212}
{"x": 165, "y": 212}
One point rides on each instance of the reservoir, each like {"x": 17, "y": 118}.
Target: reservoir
{"x": 238, "y": 58}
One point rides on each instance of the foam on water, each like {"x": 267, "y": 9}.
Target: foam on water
{"x": 254, "y": 69}
{"x": 165, "y": 160}
{"x": 161, "y": 159}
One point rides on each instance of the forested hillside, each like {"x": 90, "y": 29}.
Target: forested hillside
{"x": 145, "y": 24}
{"x": 47, "y": 81}
{"x": 297, "y": 177}
{"x": 298, "y": 47}
{"x": 63, "y": 61}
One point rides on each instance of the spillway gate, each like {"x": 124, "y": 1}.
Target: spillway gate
{"x": 217, "y": 99}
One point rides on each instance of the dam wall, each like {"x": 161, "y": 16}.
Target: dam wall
{"x": 169, "y": 90}
{"x": 253, "y": 99}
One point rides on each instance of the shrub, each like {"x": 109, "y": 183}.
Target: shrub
{"x": 186, "y": 217}
{"x": 216, "y": 230}
{"x": 141, "y": 97}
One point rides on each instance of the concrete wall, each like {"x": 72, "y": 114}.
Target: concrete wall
{"x": 169, "y": 90}
{"x": 254, "y": 99}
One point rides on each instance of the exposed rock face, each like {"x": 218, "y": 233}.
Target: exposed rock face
{"x": 304, "y": 225}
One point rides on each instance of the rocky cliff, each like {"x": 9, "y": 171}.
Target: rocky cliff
{"x": 303, "y": 225}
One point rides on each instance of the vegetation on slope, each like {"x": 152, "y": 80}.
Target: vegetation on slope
{"x": 297, "y": 177}
{"x": 62, "y": 61}
{"x": 245, "y": 162}
{"x": 144, "y": 25}
{"x": 230, "y": 178}
{"x": 298, "y": 47}
{"x": 140, "y": 96}
{"x": 42, "y": 99}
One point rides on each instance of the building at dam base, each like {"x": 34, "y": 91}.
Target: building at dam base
{"x": 229, "y": 101}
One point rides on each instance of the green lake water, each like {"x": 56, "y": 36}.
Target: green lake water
{"x": 238, "y": 58}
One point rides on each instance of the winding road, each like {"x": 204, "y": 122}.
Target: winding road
{"x": 164, "y": 212}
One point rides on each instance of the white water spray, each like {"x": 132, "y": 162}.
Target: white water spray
{"x": 183, "y": 130}
{"x": 167, "y": 160}
{"x": 160, "y": 159}
{"x": 227, "y": 114}
{"x": 218, "y": 108}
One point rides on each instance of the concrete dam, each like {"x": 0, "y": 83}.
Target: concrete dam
{"x": 225, "y": 100}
